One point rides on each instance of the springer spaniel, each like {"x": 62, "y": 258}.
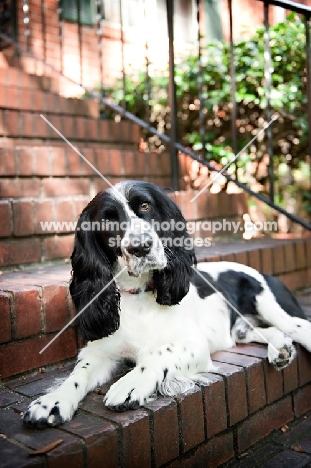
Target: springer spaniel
{"x": 143, "y": 298}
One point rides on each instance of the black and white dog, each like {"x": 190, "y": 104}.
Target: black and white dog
{"x": 144, "y": 299}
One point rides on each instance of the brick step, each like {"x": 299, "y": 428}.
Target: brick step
{"x": 13, "y": 75}
{"x": 58, "y": 171}
{"x": 18, "y": 159}
{"x": 35, "y": 100}
{"x": 245, "y": 401}
{"x": 24, "y": 215}
{"x": 23, "y": 124}
{"x": 35, "y": 302}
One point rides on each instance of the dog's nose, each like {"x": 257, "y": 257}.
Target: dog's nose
{"x": 140, "y": 246}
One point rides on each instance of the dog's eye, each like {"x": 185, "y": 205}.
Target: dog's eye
{"x": 144, "y": 206}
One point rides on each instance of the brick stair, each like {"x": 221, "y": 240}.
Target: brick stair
{"x": 34, "y": 100}
{"x": 14, "y": 76}
{"x": 35, "y": 303}
{"x": 244, "y": 401}
{"x": 43, "y": 179}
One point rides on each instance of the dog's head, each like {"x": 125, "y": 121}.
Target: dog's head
{"x": 137, "y": 227}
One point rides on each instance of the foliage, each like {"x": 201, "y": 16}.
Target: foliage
{"x": 288, "y": 98}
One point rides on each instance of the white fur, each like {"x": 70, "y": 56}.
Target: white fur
{"x": 171, "y": 345}
{"x": 191, "y": 331}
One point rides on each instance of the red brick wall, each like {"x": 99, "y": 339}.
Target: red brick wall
{"x": 52, "y": 183}
{"x": 35, "y": 304}
{"x": 247, "y": 15}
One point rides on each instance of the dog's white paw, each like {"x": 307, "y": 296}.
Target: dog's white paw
{"x": 132, "y": 390}
{"x": 280, "y": 358}
{"x": 48, "y": 410}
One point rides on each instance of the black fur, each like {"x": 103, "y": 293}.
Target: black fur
{"x": 239, "y": 289}
{"x": 284, "y": 297}
{"x": 93, "y": 258}
{"x": 91, "y": 271}
{"x": 203, "y": 287}
{"x": 172, "y": 283}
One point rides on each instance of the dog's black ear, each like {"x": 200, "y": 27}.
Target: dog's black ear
{"x": 173, "y": 282}
{"x": 92, "y": 286}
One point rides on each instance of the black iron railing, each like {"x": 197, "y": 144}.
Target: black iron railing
{"x": 21, "y": 9}
{"x": 7, "y": 20}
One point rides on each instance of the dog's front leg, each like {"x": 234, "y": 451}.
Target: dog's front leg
{"x": 166, "y": 368}
{"x": 60, "y": 403}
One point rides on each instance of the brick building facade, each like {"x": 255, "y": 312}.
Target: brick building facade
{"x": 74, "y": 48}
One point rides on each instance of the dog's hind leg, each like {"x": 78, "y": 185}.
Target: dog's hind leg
{"x": 270, "y": 311}
{"x": 281, "y": 350}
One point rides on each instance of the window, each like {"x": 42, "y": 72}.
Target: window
{"x": 184, "y": 20}
{"x": 212, "y": 17}
{"x": 133, "y": 16}
{"x": 79, "y": 11}
{"x": 132, "y": 12}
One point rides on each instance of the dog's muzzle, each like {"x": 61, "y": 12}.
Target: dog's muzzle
{"x": 142, "y": 249}
{"x": 140, "y": 246}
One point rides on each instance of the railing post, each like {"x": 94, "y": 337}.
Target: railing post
{"x": 43, "y": 28}
{"x": 60, "y": 34}
{"x": 172, "y": 95}
{"x": 80, "y": 39}
{"x": 26, "y": 21}
{"x": 200, "y": 81}
{"x": 122, "y": 54}
{"x": 147, "y": 62}
{"x": 233, "y": 90}
{"x": 99, "y": 33}
{"x": 308, "y": 69}
{"x": 268, "y": 81}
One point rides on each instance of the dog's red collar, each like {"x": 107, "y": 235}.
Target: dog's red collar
{"x": 150, "y": 287}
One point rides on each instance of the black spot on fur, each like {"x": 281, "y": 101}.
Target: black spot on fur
{"x": 165, "y": 371}
{"x": 44, "y": 406}
{"x": 203, "y": 287}
{"x": 142, "y": 369}
{"x": 238, "y": 288}
{"x": 55, "y": 411}
{"x": 284, "y": 297}
{"x": 129, "y": 395}
{"x": 160, "y": 353}
{"x": 169, "y": 350}
{"x": 76, "y": 385}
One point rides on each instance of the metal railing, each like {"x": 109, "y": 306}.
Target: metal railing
{"x": 21, "y": 10}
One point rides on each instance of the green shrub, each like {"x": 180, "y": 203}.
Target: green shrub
{"x": 288, "y": 99}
